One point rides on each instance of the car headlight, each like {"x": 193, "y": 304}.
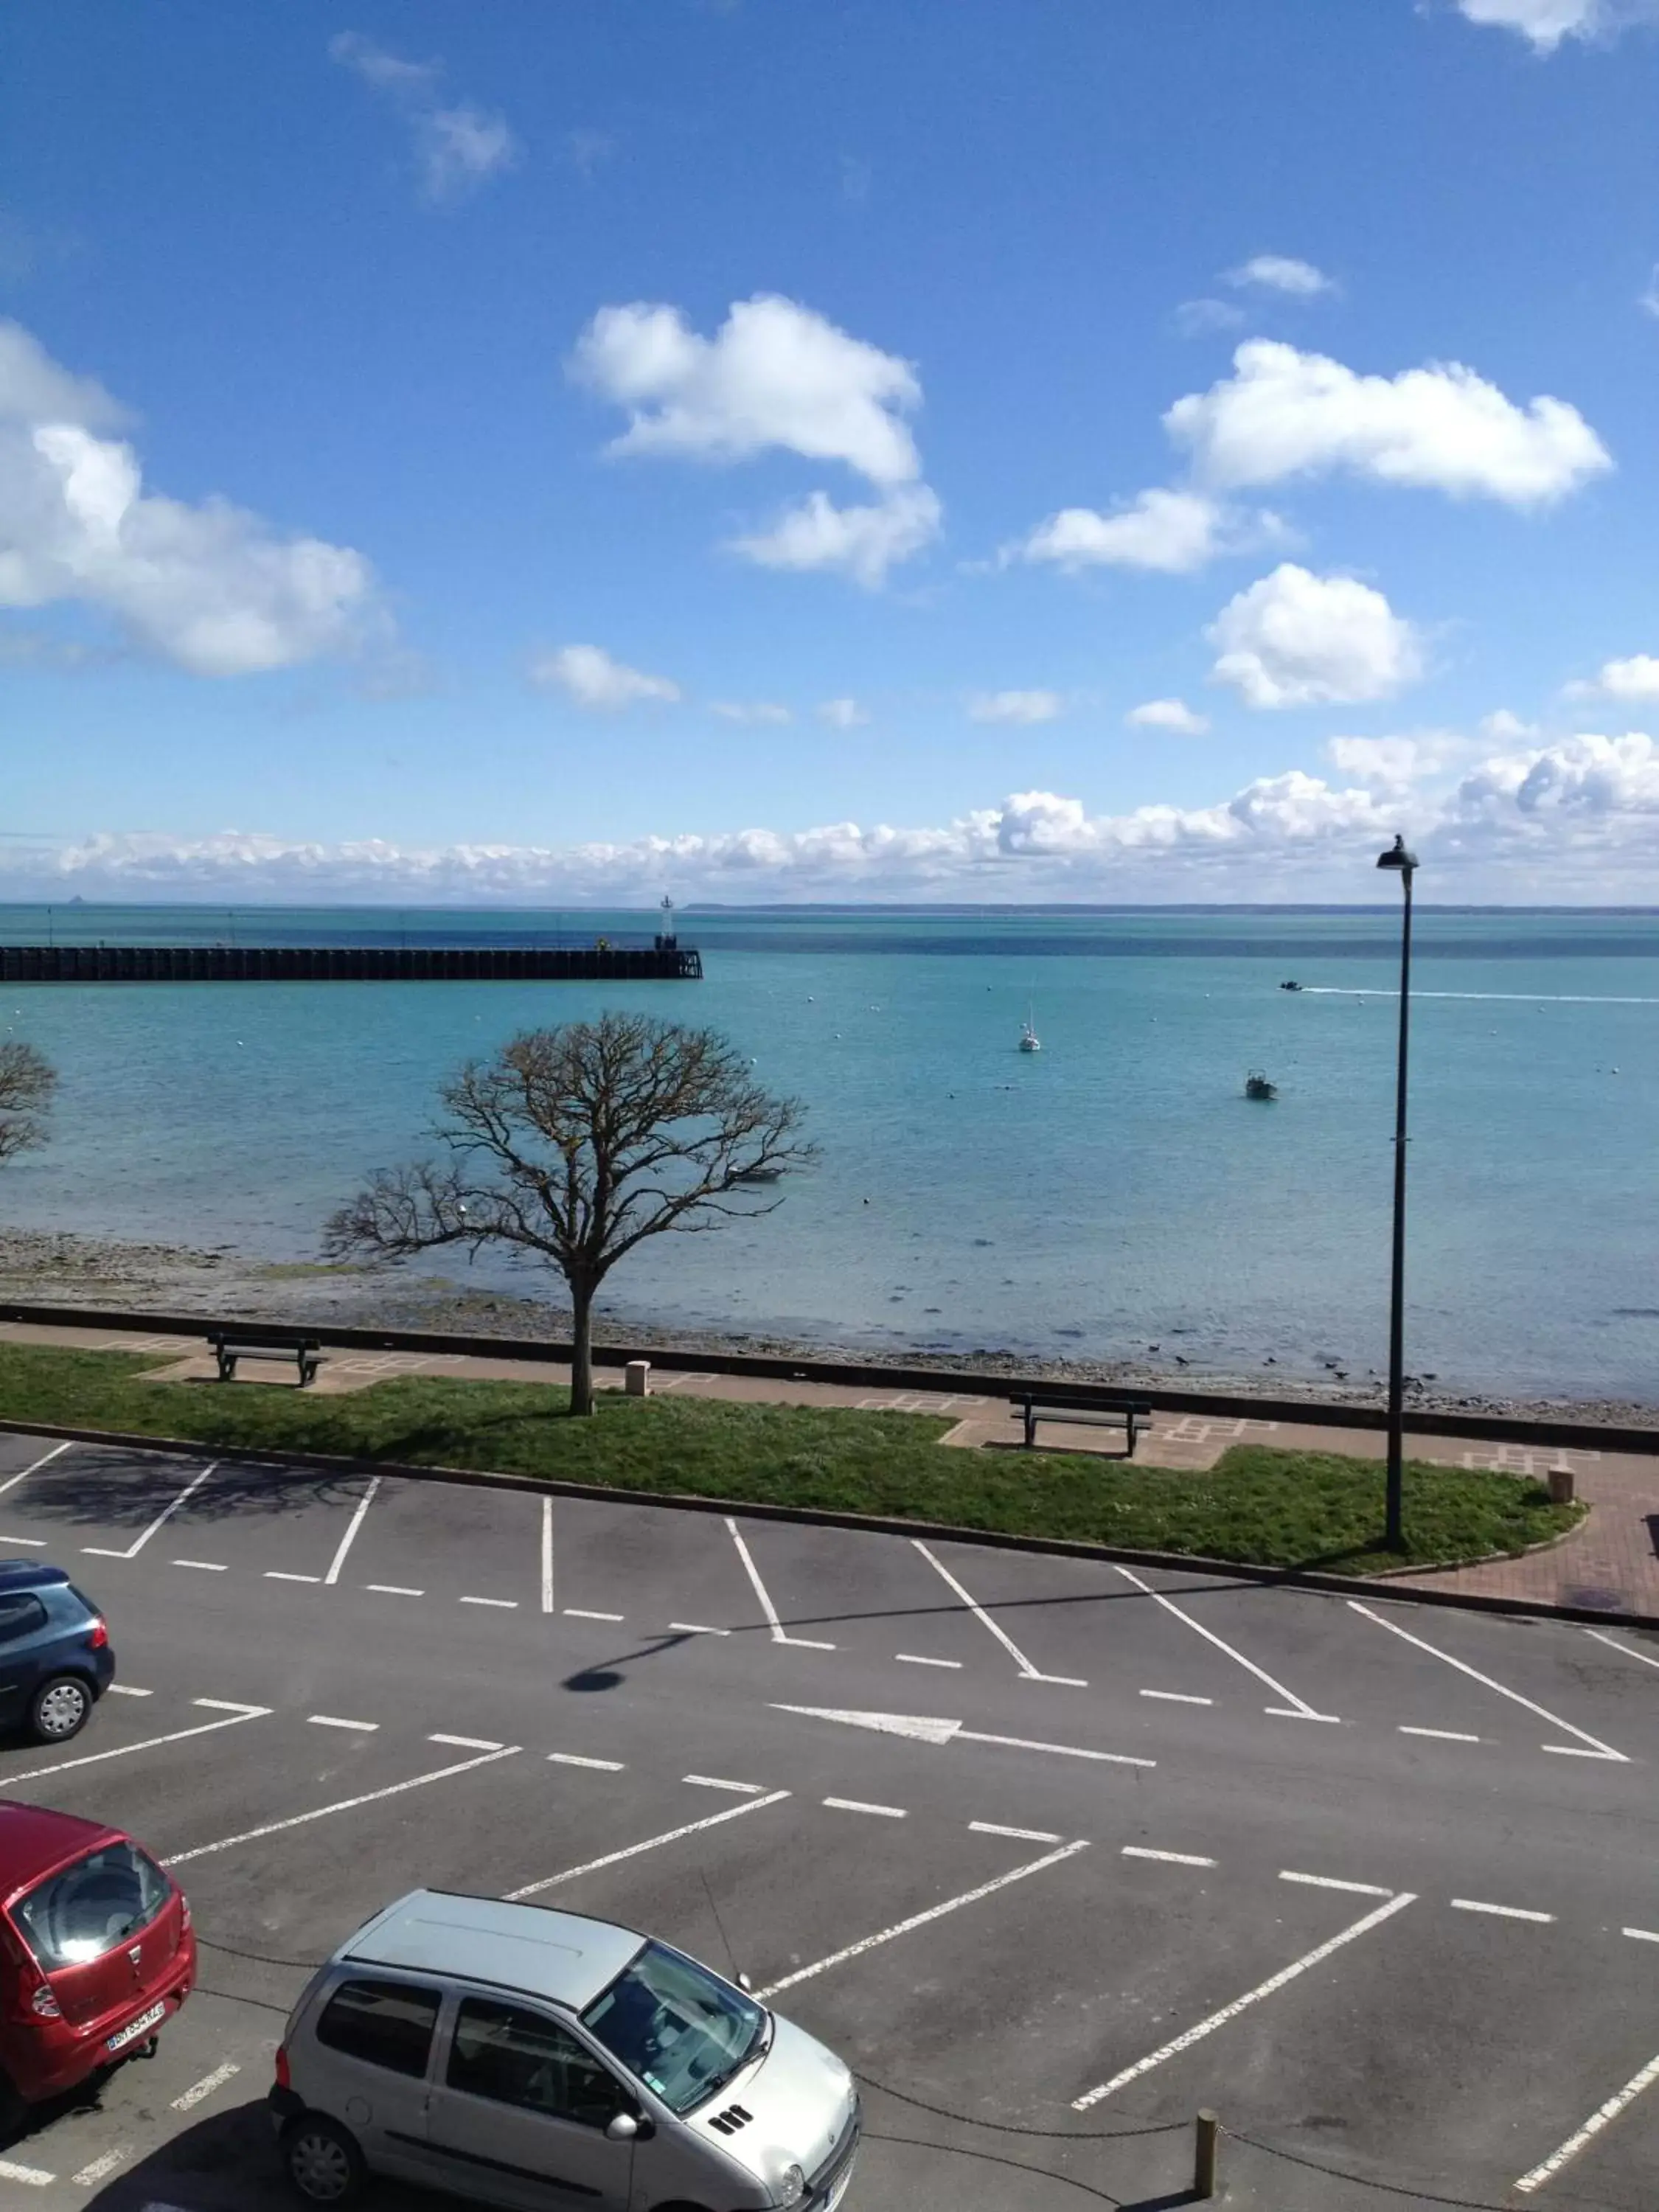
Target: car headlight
{"x": 792, "y": 2186}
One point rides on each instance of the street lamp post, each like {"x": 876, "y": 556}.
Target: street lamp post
{"x": 1405, "y": 864}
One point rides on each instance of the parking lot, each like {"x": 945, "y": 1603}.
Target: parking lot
{"x": 1054, "y": 1852}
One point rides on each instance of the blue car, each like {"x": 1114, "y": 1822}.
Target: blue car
{"x": 55, "y": 1656}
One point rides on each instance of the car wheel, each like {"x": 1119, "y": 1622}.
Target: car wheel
{"x": 323, "y": 2162}
{"x": 60, "y": 1708}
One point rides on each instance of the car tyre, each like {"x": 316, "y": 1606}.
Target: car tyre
{"x": 323, "y": 2160}
{"x": 60, "y": 1708}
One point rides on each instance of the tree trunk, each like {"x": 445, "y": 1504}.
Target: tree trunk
{"x": 582, "y": 1356}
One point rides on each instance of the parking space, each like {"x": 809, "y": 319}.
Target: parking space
{"x": 659, "y": 1572}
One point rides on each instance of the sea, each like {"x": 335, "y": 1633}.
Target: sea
{"x": 1113, "y": 1196}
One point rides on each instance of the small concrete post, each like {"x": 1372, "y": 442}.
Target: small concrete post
{"x": 1207, "y": 2156}
{"x": 1560, "y": 1482}
{"x": 637, "y": 1378}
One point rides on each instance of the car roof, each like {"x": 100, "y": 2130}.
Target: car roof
{"x": 29, "y": 1574}
{"x": 34, "y": 1840}
{"x": 557, "y": 1955}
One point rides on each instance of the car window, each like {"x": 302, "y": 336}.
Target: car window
{"x": 20, "y": 1616}
{"x": 520, "y": 2057}
{"x": 74, "y": 1591}
{"x": 683, "y": 2031}
{"x": 92, "y": 1906}
{"x": 387, "y": 2024}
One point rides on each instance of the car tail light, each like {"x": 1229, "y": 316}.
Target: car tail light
{"x": 44, "y": 2004}
{"x": 98, "y": 1636}
{"x": 184, "y": 1912}
{"x": 282, "y": 2080}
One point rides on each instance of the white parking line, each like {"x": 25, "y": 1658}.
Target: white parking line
{"x": 101, "y": 2166}
{"x": 1592, "y": 2128}
{"x": 202, "y": 1566}
{"x": 466, "y": 1742}
{"x": 1629, "y": 1650}
{"x": 915, "y": 1659}
{"x": 1255, "y": 1997}
{"x": 506, "y": 1604}
{"x": 853, "y": 1805}
{"x": 237, "y": 1715}
{"x": 350, "y": 1535}
{"x": 331, "y": 1720}
{"x": 277, "y": 1575}
{"x": 714, "y": 1782}
{"x": 1176, "y": 1698}
{"x": 393, "y": 1589}
{"x": 1294, "y": 1708}
{"x": 651, "y": 1843}
{"x": 1332, "y": 1881}
{"x": 1440, "y": 1735}
{"x": 1031, "y": 1674}
{"x": 1500, "y": 1911}
{"x": 547, "y": 1555}
{"x": 920, "y": 1920}
{"x": 31, "y": 2177}
{"x": 342, "y": 1805}
{"x": 34, "y": 1467}
{"x": 101, "y": 1552}
{"x": 576, "y": 1612}
{"x": 126, "y": 1690}
{"x": 28, "y": 1543}
{"x": 1014, "y": 1835}
{"x": 1641, "y": 1935}
{"x": 779, "y": 1633}
{"x": 695, "y": 1628}
{"x": 199, "y": 2092}
{"x": 575, "y": 1758}
{"x": 1598, "y": 1749}
{"x": 1170, "y": 1858}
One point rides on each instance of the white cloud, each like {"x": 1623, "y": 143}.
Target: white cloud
{"x": 1284, "y": 413}
{"x": 1280, "y": 272}
{"x": 766, "y": 711}
{"x": 1384, "y": 763}
{"x": 1015, "y": 707}
{"x": 1172, "y": 531}
{"x": 1545, "y": 23}
{"x": 1648, "y": 300}
{"x": 843, "y": 713}
{"x": 1294, "y": 639}
{"x": 862, "y": 542}
{"x": 1502, "y": 728}
{"x": 774, "y": 374}
{"x": 459, "y": 147}
{"x": 1168, "y": 715}
{"x": 1637, "y": 677}
{"x": 211, "y": 587}
{"x": 593, "y": 679}
{"x": 1196, "y": 318}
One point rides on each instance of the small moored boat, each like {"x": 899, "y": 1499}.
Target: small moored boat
{"x": 1256, "y": 1086}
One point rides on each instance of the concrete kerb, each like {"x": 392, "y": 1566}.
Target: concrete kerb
{"x": 869, "y": 1523}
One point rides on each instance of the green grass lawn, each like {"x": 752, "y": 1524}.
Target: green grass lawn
{"x": 1265, "y": 1506}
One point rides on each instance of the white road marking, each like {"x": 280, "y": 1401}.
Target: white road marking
{"x": 1331, "y": 1881}
{"x": 651, "y": 1843}
{"x": 1599, "y": 1749}
{"x": 1170, "y": 1858}
{"x": 276, "y": 1574}
{"x": 350, "y": 1535}
{"x": 32, "y": 1543}
{"x": 1642, "y": 1935}
{"x": 1031, "y": 1673}
{"x": 126, "y": 1690}
{"x": 780, "y": 1635}
{"x": 229, "y": 1705}
{"x": 94, "y": 1551}
{"x": 921, "y": 1730}
{"x": 393, "y": 1589}
{"x": 1242, "y": 2004}
{"x": 920, "y": 1920}
{"x": 466, "y": 1742}
{"x": 199, "y": 2091}
{"x": 31, "y": 2177}
{"x": 1176, "y": 1698}
{"x": 1293, "y": 1704}
{"x": 696, "y": 1628}
{"x": 576, "y": 1612}
{"x": 575, "y": 1758}
{"x": 547, "y": 1555}
{"x": 915, "y": 1659}
{"x": 1629, "y": 1650}
{"x": 34, "y": 1467}
{"x": 1295, "y": 1713}
{"x": 714, "y": 1782}
{"x": 341, "y": 1805}
{"x": 145, "y": 1743}
{"x": 853, "y": 1805}
{"x": 1500, "y": 1911}
{"x": 1015, "y": 1835}
{"x": 101, "y": 2167}
{"x": 202, "y": 1566}
{"x": 505, "y": 1604}
{"x": 330, "y": 1720}
{"x": 1441, "y": 1735}
{"x": 1592, "y": 2128}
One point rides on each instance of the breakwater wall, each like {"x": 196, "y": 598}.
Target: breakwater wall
{"x": 347, "y": 964}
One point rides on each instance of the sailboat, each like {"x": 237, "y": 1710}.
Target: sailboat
{"x": 1029, "y": 1039}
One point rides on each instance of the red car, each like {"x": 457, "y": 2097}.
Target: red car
{"x": 96, "y": 1951}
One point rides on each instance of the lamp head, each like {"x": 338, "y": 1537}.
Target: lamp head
{"x": 1397, "y": 857}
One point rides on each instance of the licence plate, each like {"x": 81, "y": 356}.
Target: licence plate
{"x": 839, "y": 2191}
{"x": 135, "y": 2029}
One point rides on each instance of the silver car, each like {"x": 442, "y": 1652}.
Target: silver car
{"x": 534, "y": 2059}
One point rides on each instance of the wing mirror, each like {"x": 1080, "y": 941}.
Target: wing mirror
{"x": 745, "y": 1985}
{"x": 627, "y": 2127}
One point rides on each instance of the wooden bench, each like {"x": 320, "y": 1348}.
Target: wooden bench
{"x": 1093, "y": 1409}
{"x": 304, "y": 1350}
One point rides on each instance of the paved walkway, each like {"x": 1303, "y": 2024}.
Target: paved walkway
{"x": 1612, "y": 1561}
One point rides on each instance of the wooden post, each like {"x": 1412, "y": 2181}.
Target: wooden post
{"x": 1560, "y": 1482}
{"x": 1205, "y": 2156}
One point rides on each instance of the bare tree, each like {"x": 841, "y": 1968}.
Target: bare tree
{"x": 575, "y": 1145}
{"x": 28, "y": 1080}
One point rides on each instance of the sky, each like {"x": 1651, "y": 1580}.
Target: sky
{"x": 829, "y": 449}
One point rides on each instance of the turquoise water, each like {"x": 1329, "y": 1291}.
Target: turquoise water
{"x": 1114, "y": 1192}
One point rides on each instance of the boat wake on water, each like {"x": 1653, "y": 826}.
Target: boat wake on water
{"x": 1521, "y": 998}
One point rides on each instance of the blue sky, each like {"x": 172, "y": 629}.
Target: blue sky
{"x": 776, "y": 449}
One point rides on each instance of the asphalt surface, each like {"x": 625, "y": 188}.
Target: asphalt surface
{"x": 1055, "y": 1854}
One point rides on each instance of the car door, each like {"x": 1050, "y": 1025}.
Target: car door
{"x": 521, "y": 2107}
{"x": 374, "y": 2035}
{"x": 23, "y": 1623}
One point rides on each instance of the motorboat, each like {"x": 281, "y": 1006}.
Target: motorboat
{"x": 1291, "y": 985}
{"x": 1256, "y": 1086}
